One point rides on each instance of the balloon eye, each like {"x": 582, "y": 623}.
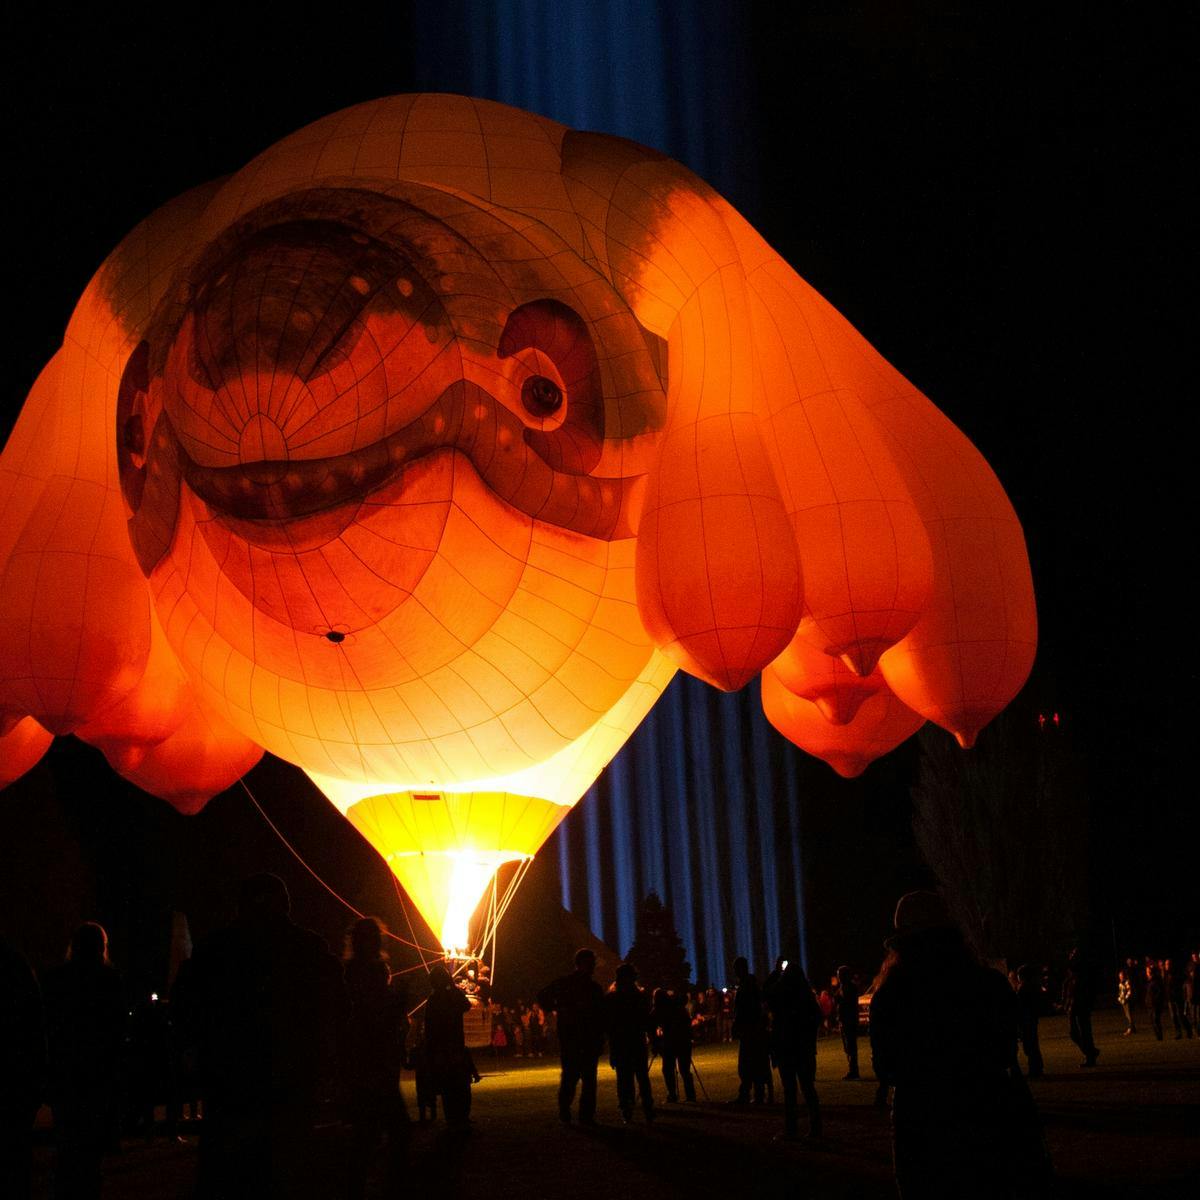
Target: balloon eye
{"x": 542, "y": 397}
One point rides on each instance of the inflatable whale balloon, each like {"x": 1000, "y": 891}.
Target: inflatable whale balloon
{"x": 422, "y": 451}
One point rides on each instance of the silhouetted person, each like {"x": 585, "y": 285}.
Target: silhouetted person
{"x": 374, "y": 1054}
{"x": 795, "y": 1020}
{"x": 627, "y": 1018}
{"x": 22, "y": 1069}
{"x": 1137, "y": 981}
{"x": 1079, "y": 998}
{"x": 1191, "y": 989}
{"x": 537, "y": 1030}
{"x": 418, "y": 1063}
{"x": 147, "y": 1064}
{"x": 270, "y": 1009}
{"x": 670, "y": 1017}
{"x": 1156, "y": 998}
{"x": 847, "y": 1009}
{"x": 449, "y": 1064}
{"x": 1174, "y": 981}
{"x": 183, "y": 1018}
{"x": 943, "y": 1034}
{"x": 579, "y": 1002}
{"x": 750, "y": 1028}
{"x": 85, "y": 1026}
{"x": 1033, "y": 1003}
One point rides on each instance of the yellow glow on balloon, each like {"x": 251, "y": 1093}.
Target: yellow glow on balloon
{"x": 445, "y": 847}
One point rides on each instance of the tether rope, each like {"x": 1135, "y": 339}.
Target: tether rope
{"x": 336, "y": 895}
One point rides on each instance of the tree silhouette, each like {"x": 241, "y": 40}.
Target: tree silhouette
{"x": 1004, "y": 829}
{"x": 657, "y": 950}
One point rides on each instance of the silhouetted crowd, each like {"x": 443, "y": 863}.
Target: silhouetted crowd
{"x": 265, "y": 1030}
{"x": 279, "y": 1044}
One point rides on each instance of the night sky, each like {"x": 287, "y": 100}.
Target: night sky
{"x": 996, "y": 202}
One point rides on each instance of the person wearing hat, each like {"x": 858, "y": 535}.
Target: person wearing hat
{"x": 943, "y": 1035}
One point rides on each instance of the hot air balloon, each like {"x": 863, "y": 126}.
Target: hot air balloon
{"x": 423, "y": 450}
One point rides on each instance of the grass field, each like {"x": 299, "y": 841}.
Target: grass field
{"x": 1128, "y": 1128}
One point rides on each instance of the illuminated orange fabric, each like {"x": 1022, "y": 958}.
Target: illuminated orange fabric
{"x": 973, "y": 644}
{"x": 148, "y": 714}
{"x": 811, "y": 674}
{"x": 21, "y": 748}
{"x": 202, "y": 757}
{"x": 423, "y": 449}
{"x": 881, "y": 723}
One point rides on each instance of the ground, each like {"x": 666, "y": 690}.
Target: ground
{"x": 1128, "y": 1128}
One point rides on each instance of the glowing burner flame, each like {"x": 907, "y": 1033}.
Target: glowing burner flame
{"x": 447, "y": 887}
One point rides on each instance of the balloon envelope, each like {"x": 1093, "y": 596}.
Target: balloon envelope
{"x": 421, "y": 451}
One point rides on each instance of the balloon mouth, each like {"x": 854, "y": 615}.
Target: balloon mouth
{"x": 288, "y": 490}
{"x": 280, "y": 514}
{"x": 284, "y": 490}
{"x": 292, "y": 504}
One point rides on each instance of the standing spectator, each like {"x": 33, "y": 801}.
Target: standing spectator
{"x": 578, "y": 1003}
{"x": 1156, "y": 997}
{"x": 184, "y": 1021}
{"x": 835, "y": 1025}
{"x": 1125, "y": 1000}
{"x": 537, "y": 1030}
{"x": 516, "y": 1027}
{"x": 828, "y": 1007}
{"x": 418, "y": 1063}
{"x": 1079, "y": 998}
{"x": 722, "y": 1006}
{"x": 147, "y": 1064}
{"x": 1174, "y": 981}
{"x": 701, "y": 1024}
{"x": 627, "y": 1017}
{"x": 847, "y": 1007}
{"x": 750, "y": 1029}
{"x": 85, "y": 1027}
{"x": 943, "y": 1035}
{"x": 1033, "y": 1003}
{"x": 795, "y": 1018}
{"x": 1191, "y": 989}
{"x": 499, "y": 1032}
{"x": 271, "y": 1009}
{"x": 670, "y": 1018}
{"x": 376, "y": 1034}
{"x": 1137, "y": 982}
{"x": 22, "y": 1069}
{"x": 450, "y": 1065}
